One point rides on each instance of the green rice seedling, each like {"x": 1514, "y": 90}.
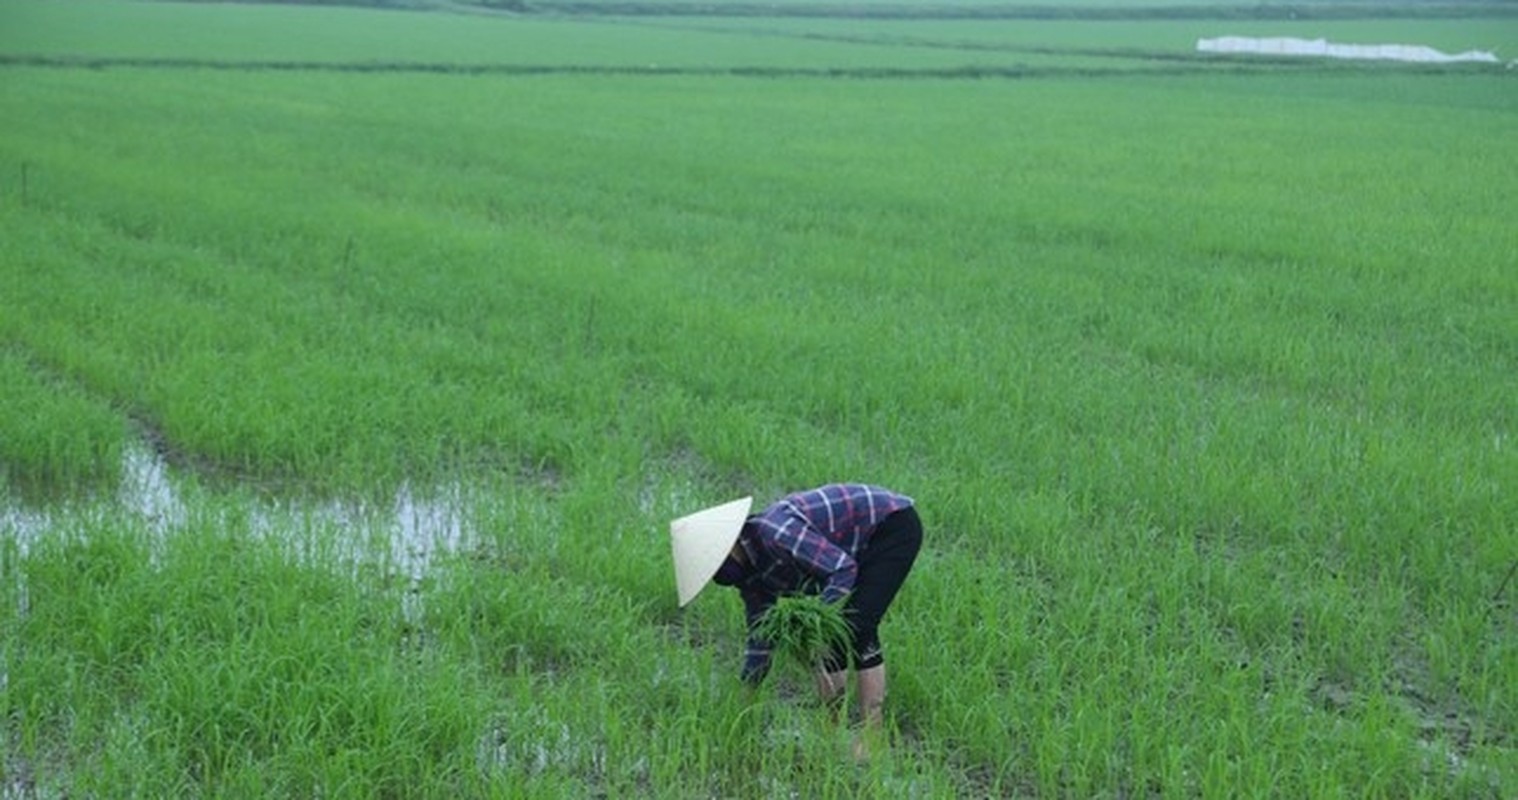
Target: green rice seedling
{"x": 53, "y": 436}
{"x": 804, "y": 630}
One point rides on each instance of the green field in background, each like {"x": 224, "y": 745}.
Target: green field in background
{"x": 240, "y": 33}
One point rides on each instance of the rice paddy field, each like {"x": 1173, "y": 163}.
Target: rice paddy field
{"x": 355, "y": 360}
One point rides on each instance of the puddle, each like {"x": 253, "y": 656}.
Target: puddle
{"x": 540, "y": 747}
{"x": 22, "y": 526}
{"x": 402, "y": 536}
{"x": 146, "y": 491}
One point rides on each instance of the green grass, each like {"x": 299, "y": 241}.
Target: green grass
{"x": 370, "y": 38}
{"x": 255, "y": 33}
{"x": 804, "y": 631}
{"x": 1126, "y": 37}
{"x": 55, "y": 435}
{"x": 1202, "y": 381}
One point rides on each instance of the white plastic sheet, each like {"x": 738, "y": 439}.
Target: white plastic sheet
{"x": 1322, "y": 48}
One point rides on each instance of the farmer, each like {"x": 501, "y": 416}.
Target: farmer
{"x": 851, "y": 543}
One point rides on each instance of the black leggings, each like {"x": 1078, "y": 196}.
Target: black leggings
{"x": 883, "y": 567}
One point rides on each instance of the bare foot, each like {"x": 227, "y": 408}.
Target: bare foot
{"x": 861, "y": 749}
{"x": 868, "y": 742}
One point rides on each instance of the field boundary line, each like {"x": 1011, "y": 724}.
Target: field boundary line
{"x": 1194, "y": 66}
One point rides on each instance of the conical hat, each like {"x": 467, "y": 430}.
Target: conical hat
{"x": 701, "y": 541}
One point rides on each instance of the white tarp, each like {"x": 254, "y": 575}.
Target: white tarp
{"x": 1322, "y": 48}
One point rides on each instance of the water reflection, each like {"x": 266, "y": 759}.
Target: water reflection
{"x": 402, "y": 536}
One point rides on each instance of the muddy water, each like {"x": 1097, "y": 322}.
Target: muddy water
{"x": 402, "y": 537}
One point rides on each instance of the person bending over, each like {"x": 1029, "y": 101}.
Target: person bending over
{"x": 850, "y": 543}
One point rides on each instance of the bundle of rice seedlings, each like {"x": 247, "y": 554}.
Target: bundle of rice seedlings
{"x": 803, "y": 630}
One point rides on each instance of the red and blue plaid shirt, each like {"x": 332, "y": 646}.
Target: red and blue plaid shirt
{"x": 808, "y": 543}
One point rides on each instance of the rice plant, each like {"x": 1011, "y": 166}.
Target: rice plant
{"x": 803, "y": 631}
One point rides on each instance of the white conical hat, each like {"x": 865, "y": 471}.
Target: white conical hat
{"x": 701, "y": 541}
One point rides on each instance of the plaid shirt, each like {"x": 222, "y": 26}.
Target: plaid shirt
{"x": 807, "y": 543}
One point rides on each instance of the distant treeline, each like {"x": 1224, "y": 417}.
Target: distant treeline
{"x": 1327, "y": 10}
{"x": 1439, "y": 10}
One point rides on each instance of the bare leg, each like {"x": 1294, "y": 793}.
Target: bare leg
{"x": 830, "y": 687}
{"x": 871, "y": 736}
{"x": 872, "y": 692}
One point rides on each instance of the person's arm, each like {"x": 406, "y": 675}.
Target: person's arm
{"x": 820, "y": 558}
{"x": 756, "y": 655}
